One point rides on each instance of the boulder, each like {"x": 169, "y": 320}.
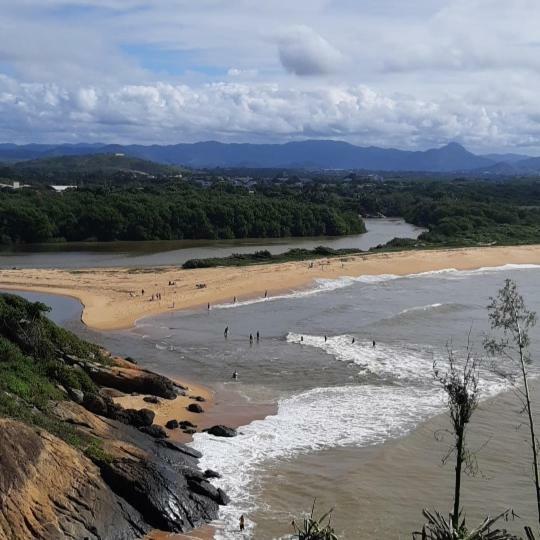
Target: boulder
{"x": 172, "y": 424}
{"x": 221, "y": 431}
{"x": 134, "y": 417}
{"x": 186, "y": 424}
{"x": 200, "y": 399}
{"x": 96, "y": 404}
{"x": 154, "y": 431}
{"x": 151, "y": 399}
{"x": 76, "y": 395}
{"x": 195, "y": 408}
{"x": 179, "y": 447}
{"x": 209, "y": 473}
{"x": 190, "y": 431}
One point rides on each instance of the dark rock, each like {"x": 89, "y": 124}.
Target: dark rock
{"x": 76, "y": 395}
{"x": 186, "y": 424}
{"x": 164, "y": 497}
{"x": 151, "y": 399}
{"x": 200, "y": 399}
{"x": 203, "y": 487}
{"x": 172, "y": 424}
{"x": 154, "y": 431}
{"x": 133, "y": 417}
{"x": 190, "y": 431}
{"x": 179, "y": 447}
{"x": 195, "y": 408}
{"x": 209, "y": 473}
{"x": 131, "y": 360}
{"x": 95, "y": 404}
{"x": 221, "y": 431}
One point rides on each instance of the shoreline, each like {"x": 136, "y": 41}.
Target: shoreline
{"x": 112, "y": 298}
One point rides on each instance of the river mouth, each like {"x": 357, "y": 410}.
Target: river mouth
{"x": 176, "y": 252}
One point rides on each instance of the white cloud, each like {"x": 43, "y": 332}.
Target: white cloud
{"x": 372, "y": 72}
{"x": 304, "y": 52}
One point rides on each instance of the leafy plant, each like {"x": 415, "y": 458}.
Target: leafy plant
{"x": 315, "y": 529}
{"x": 439, "y": 528}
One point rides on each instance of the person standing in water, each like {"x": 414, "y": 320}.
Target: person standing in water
{"x": 250, "y": 339}
{"x": 235, "y": 375}
{"x": 374, "y": 344}
{"x": 226, "y": 332}
{"x": 234, "y": 300}
{"x": 325, "y": 338}
{"x": 266, "y": 294}
{"x": 242, "y": 523}
{"x": 258, "y": 336}
{"x": 353, "y": 340}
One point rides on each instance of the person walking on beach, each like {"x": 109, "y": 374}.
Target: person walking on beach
{"x": 142, "y": 292}
{"x": 242, "y": 524}
{"x": 235, "y": 375}
{"x": 226, "y": 333}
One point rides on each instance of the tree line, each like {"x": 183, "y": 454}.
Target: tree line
{"x": 164, "y": 213}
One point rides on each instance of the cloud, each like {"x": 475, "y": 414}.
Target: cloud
{"x": 305, "y": 53}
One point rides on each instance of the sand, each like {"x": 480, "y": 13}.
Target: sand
{"x": 113, "y": 298}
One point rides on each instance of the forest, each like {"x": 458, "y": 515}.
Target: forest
{"x": 175, "y": 211}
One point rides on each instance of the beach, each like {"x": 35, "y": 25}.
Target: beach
{"x": 113, "y": 298}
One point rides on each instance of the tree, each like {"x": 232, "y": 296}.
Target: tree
{"x": 509, "y": 316}
{"x": 460, "y": 383}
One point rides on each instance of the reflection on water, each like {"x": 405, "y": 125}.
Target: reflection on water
{"x": 176, "y": 252}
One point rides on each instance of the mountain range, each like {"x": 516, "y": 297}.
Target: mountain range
{"x": 310, "y": 154}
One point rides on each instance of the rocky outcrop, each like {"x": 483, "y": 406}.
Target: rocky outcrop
{"x": 50, "y": 490}
{"x": 195, "y": 408}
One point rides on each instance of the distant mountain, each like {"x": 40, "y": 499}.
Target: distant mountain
{"x": 64, "y": 166}
{"x": 316, "y": 154}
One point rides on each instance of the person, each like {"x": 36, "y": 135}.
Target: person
{"x": 258, "y": 336}
{"x": 208, "y": 306}
{"x": 242, "y": 524}
{"x": 226, "y": 333}
{"x": 234, "y": 300}
{"x": 301, "y": 338}
{"x": 325, "y": 338}
{"x": 235, "y": 375}
{"x": 266, "y": 294}
{"x": 142, "y": 292}
{"x": 251, "y": 338}
{"x": 374, "y": 344}
{"x": 353, "y": 340}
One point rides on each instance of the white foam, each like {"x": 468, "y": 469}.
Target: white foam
{"x": 314, "y": 420}
{"x": 402, "y": 363}
{"x": 327, "y": 285}
{"x": 421, "y": 308}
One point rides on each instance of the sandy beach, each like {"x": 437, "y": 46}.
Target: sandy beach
{"x": 113, "y": 299}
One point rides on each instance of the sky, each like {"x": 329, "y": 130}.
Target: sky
{"x": 409, "y": 74}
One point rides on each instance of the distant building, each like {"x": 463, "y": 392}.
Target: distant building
{"x": 60, "y": 189}
{"x": 15, "y": 185}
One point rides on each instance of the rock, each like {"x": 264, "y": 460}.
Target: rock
{"x": 186, "y": 424}
{"x": 209, "y": 473}
{"x": 154, "y": 431}
{"x": 76, "y": 395}
{"x": 195, "y": 408}
{"x": 95, "y": 404}
{"x": 179, "y": 447}
{"x": 134, "y": 417}
{"x": 131, "y": 360}
{"x": 190, "y": 431}
{"x": 151, "y": 399}
{"x": 111, "y": 393}
{"x": 221, "y": 431}
{"x": 165, "y": 498}
{"x": 131, "y": 379}
{"x": 172, "y": 424}
{"x": 205, "y": 488}
{"x": 49, "y": 489}
{"x": 198, "y": 398}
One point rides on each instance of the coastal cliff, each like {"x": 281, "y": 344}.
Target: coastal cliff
{"x": 75, "y": 464}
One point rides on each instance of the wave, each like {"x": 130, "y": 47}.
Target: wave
{"x": 328, "y": 285}
{"x": 314, "y": 420}
{"x": 421, "y": 308}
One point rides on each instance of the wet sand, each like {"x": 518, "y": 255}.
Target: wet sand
{"x": 113, "y": 299}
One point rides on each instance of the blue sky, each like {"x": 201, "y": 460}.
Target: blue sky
{"x": 412, "y": 74}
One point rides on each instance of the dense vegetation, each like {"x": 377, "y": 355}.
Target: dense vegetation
{"x": 32, "y": 369}
{"x": 176, "y": 211}
{"x": 458, "y": 212}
